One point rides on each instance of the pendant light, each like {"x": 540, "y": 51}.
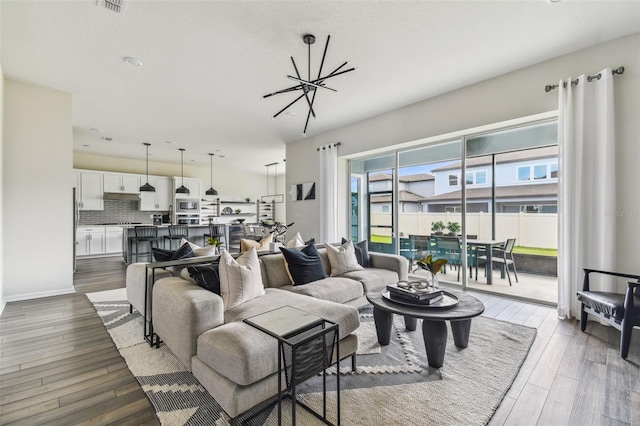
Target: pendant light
{"x": 183, "y": 189}
{"x": 146, "y": 187}
{"x": 211, "y": 191}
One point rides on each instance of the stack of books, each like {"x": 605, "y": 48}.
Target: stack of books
{"x": 421, "y": 296}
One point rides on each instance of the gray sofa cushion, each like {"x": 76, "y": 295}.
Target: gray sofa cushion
{"x": 346, "y": 316}
{"x": 334, "y": 289}
{"x": 373, "y": 278}
{"x": 230, "y": 348}
{"x": 240, "y": 352}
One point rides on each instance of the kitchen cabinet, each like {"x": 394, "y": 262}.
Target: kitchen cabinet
{"x": 159, "y": 200}
{"x": 89, "y": 190}
{"x": 113, "y": 239}
{"x": 90, "y": 241}
{"x": 125, "y": 183}
{"x": 194, "y": 186}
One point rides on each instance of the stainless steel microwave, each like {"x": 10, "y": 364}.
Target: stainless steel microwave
{"x": 187, "y": 205}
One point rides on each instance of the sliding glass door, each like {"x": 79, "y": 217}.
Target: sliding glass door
{"x": 499, "y": 185}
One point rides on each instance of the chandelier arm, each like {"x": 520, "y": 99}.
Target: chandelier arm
{"x": 313, "y": 99}
{"x": 288, "y": 89}
{"x": 322, "y": 79}
{"x": 306, "y": 96}
{"x": 285, "y": 108}
{"x": 324, "y": 54}
{"x": 308, "y": 83}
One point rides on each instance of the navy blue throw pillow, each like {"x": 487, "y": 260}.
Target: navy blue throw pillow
{"x": 185, "y": 251}
{"x": 304, "y": 265}
{"x": 161, "y": 255}
{"x": 362, "y": 252}
{"x": 206, "y": 276}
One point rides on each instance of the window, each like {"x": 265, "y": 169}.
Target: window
{"x": 386, "y": 209}
{"x": 540, "y": 171}
{"x": 546, "y": 208}
{"x": 554, "y": 171}
{"x": 524, "y": 173}
{"x": 453, "y": 180}
{"x": 476, "y": 178}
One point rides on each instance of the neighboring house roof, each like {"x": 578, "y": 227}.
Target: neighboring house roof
{"x": 509, "y": 157}
{"x": 379, "y": 177}
{"x": 405, "y": 197}
{"x": 418, "y": 177}
{"x": 502, "y": 192}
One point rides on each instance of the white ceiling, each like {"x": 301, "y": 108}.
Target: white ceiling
{"x": 207, "y": 64}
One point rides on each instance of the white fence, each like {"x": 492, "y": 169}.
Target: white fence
{"x": 529, "y": 229}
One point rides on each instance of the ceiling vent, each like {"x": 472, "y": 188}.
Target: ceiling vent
{"x": 117, "y": 6}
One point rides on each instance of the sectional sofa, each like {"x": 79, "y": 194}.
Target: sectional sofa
{"x": 234, "y": 361}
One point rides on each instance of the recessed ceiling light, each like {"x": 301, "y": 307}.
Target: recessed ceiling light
{"x": 221, "y": 155}
{"x": 87, "y": 146}
{"x": 106, "y": 138}
{"x": 97, "y": 130}
{"x": 290, "y": 113}
{"x": 170, "y": 143}
{"x": 553, "y": 1}
{"x": 132, "y": 61}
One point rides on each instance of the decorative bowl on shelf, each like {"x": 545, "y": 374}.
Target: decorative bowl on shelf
{"x": 240, "y": 220}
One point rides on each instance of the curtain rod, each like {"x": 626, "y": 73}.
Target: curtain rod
{"x": 330, "y": 145}
{"x": 550, "y": 87}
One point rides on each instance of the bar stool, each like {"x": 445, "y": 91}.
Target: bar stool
{"x": 216, "y": 231}
{"x": 144, "y": 234}
{"x": 176, "y": 232}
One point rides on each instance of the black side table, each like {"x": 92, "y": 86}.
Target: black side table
{"x": 306, "y": 343}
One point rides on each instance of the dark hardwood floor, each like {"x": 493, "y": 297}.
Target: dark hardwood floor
{"x": 59, "y": 366}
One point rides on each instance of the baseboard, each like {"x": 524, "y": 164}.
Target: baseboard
{"x": 28, "y": 296}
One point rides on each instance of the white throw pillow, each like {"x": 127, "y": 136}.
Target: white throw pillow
{"x": 262, "y": 245}
{"x": 342, "y": 258}
{"x": 296, "y": 241}
{"x": 240, "y": 279}
{"x": 201, "y": 251}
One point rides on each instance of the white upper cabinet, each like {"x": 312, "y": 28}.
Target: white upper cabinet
{"x": 159, "y": 200}
{"x": 194, "y": 186}
{"x": 89, "y": 195}
{"x": 121, "y": 183}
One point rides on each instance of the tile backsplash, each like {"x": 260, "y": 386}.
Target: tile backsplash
{"x": 117, "y": 211}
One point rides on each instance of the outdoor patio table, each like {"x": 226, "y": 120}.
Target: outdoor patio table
{"x": 488, "y": 246}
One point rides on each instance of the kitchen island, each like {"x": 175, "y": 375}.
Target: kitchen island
{"x": 196, "y": 236}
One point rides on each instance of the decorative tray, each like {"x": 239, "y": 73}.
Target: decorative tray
{"x": 448, "y": 301}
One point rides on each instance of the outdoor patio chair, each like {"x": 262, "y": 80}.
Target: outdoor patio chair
{"x": 450, "y": 248}
{"x": 621, "y": 311}
{"x": 502, "y": 257}
{"x": 408, "y": 250}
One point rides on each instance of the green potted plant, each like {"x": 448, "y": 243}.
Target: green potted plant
{"x": 437, "y": 227}
{"x": 238, "y": 211}
{"x": 248, "y": 200}
{"x": 454, "y": 228}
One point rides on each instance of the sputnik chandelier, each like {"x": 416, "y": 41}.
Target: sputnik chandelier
{"x": 309, "y": 87}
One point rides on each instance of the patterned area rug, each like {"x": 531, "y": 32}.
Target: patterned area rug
{"x": 391, "y": 385}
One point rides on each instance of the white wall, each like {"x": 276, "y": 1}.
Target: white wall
{"x": 517, "y": 94}
{"x": 2, "y": 301}
{"x": 38, "y": 213}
